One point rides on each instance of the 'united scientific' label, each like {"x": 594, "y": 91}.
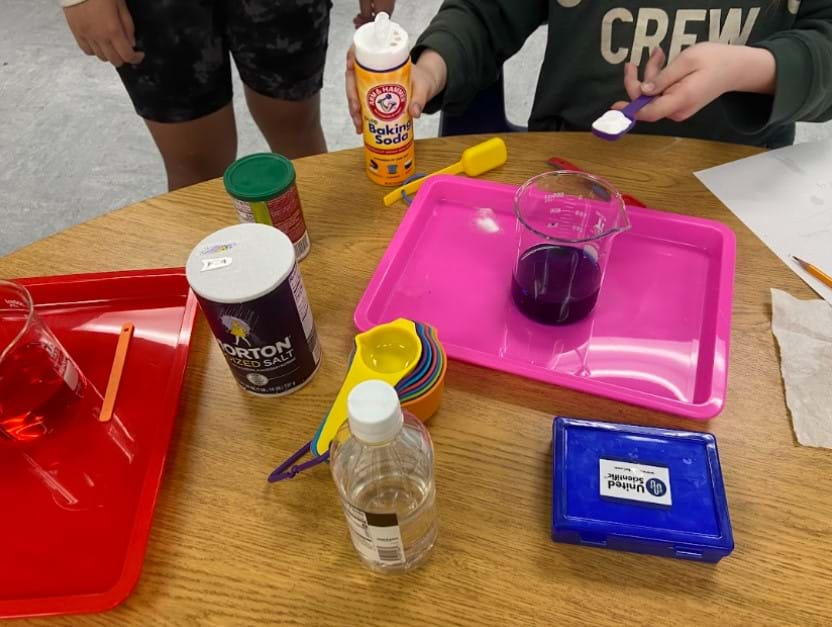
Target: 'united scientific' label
{"x": 640, "y": 483}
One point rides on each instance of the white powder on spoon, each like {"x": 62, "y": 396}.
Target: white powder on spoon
{"x": 612, "y": 123}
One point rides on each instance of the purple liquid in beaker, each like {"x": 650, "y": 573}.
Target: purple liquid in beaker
{"x": 556, "y": 284}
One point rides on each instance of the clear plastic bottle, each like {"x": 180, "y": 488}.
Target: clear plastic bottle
{"x": 382, "y": 463}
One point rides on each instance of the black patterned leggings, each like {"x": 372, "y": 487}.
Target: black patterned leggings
{"x": 279, "y": 47}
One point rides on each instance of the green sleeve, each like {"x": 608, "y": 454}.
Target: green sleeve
{"x": 475, "y": 38}
{"x": 803, "y": 91}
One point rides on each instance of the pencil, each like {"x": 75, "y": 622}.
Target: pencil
{"x": 115, "y": 373}
{"x": 816, "y": 272}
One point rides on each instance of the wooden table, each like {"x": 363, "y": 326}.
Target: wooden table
{"x": 227, "y": 548}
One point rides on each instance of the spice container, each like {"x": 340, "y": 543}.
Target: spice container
{"x": 251, "y": 292}
{"x": 262, "y": 187}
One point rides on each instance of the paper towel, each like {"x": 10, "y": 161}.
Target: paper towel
{"x": 803, "y": 329}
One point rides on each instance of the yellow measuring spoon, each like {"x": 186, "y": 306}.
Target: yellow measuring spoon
{"x": 475, "y": 160}
{"x": 388, "y": 352}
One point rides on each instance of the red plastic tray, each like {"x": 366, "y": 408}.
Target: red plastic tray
{"x": 57, "y": 558}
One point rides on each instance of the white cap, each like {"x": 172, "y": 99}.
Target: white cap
{"x": 374, "y": 411}
{"x": 381, "y": 44}
{"x": 240, "y": 263}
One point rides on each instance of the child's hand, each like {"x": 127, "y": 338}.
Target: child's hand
{"x": 353, "y": 100}
{"x": 367, "y": 10}
{"x": 427, "y": 79}
{"x": 104, "y": 28}
{"x": 697, "y": 77}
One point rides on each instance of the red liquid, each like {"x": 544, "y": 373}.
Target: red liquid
{"x": 46, "y": 406}
{"x": 36, "y": 382}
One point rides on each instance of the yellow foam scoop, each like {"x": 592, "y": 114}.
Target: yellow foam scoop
{"x": 388, "y": 352}
{"x": 475, "y": 160}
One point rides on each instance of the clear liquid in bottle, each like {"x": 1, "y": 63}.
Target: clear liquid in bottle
{"x": 382, "y": 463}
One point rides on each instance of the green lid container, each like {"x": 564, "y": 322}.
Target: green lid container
{"x": 259, "y": 177}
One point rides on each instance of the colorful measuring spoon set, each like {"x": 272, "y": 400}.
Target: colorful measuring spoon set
{"x": 406, "y": 354}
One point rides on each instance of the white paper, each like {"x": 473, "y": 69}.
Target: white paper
{"x": 804, "y": 332}
{"x": 785, "y": 197}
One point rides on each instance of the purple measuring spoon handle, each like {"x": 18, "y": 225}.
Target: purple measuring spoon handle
{"x": 636, "y": 105}
{"x": 284, "y": 472}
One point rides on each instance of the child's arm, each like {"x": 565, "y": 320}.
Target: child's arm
{"x": 474, "y": 39}
{"x": 460, "y": 53}
{"x": 103, "y": 28}
{"x": 782, "y": 79}
{"x": 803, "y": 75}
{"x": 368, "y": 9}
{"x": 698, "y": 76}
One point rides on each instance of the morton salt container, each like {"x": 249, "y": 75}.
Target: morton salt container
{"x": 251, "y": 292}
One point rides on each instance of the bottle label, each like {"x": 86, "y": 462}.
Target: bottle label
{"x": 270, "y": 343}
{"x": 388, "y": 128}
{"x": 284, "y": 212}
{"x": 376, "y": 536}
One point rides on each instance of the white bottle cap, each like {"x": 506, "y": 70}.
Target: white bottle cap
{"x": 374, "y": 411}
{"x": 381, "y": 44}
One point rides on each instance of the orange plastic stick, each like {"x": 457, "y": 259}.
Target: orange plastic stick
{"x": 115, "y": 372}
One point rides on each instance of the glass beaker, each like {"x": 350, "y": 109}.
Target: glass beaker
{"x": 566, "y": 224}
{"x": 37, "y": 377}
{"x": 49, "y": 412}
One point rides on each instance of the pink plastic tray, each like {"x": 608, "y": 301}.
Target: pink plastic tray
{"x": 660, "y": 331}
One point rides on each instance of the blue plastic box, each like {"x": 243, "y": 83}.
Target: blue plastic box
{"x": 640, "y": 489}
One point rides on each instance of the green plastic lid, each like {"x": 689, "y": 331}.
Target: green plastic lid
{"x": 259, "y": 177}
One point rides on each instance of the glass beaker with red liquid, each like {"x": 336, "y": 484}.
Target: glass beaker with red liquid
{"x": 49, "y": 411}
{"x": 37, "y": 377}
{"x": 566, "y": 224}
